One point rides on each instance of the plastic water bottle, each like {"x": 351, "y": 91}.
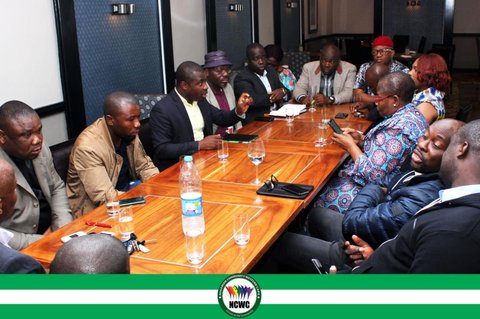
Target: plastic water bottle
{"x": 191, "y": 194}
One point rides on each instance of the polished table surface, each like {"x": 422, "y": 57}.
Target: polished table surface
{"x": 227, "y": 188}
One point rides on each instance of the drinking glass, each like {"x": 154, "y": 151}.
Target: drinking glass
{"x": 312, "y": 99}
{"x": 241, "y": 228}
{"x": 222, "y": 151}
{"x": 323, "y": 117}
{"x": 195, "y": 246}
{"x": 290, "y": 115}
{"x": 111, "y": 201}
{"x": 256, "y": 154}
{"x": 125, "y": 222}
{"x": 322, "y": 135}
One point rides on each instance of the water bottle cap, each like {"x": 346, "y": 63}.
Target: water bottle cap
{"x": 187, "y": 158}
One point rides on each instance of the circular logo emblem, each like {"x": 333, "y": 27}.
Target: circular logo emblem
{"x": 239, "y": 295}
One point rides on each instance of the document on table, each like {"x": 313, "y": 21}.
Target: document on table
{"x": 297, "y": 109}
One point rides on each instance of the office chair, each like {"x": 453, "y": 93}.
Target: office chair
{"x": 421, "y": 45}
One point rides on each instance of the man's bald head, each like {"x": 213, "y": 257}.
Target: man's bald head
{"x": 116, "y": 101}
{"x": 7, "y": 189}
{"x": 92, "y": 254}
{"x": 374, "y": 73}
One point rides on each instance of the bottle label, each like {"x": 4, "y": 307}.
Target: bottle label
{"x": 192, "y": 207}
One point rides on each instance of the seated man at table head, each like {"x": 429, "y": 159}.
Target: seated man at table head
{"x": 92, "y": 254}
{"x": 182, "y": 122}
{"x": 42, "y": 204}
{"x": 328, "y": 81}
{"x": 260, "y": 81}
{"x": 377, "y": 213}
{"x": 382, "y": 52}
{"x": 12, "y": 261}
{"x": 220, "y": 92}
{"x": 107, "y": 154}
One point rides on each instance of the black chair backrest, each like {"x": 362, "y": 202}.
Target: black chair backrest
{"x": 400, "y": 42}
{"x": 464, "y": 112}
{"x": 61, "y": 157}
{"x": 421, "y": 45}
{"x": 146, "y": 102}
{"x": 296, "y": 60}
{"x": 145, "y": 136}
{"x": 446, "y": 51}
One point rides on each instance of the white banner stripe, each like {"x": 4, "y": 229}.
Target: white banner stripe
{"x": 269, "y": 296}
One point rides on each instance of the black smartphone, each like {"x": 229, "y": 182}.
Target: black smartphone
{"x": 295, "y": 189}
{"x": 264, "y": 118}
{"x": 335, "y": 126}
{"x": 131, "y": 201}
{"x": 341, "y": 115}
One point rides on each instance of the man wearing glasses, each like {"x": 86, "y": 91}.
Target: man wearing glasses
{"x": 220, "y": 92}
{"x": 382, "y": 52}
{"x": 328, "y": 81}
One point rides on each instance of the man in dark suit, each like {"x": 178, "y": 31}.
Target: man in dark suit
{"x": 261, "y": 82}
{"x": 182, "y": 122}
{"x": 12, "y": 261}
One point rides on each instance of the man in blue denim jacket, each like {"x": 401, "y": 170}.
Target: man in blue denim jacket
{"x": 378, "y": 211}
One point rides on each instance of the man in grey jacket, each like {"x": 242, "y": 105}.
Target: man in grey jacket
{"x": 328, "y": 81}
{"x": 42, "y": 204}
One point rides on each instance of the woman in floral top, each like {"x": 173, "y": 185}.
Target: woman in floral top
{"x": 431, "y": 76}
{"x": 385, "y": 147}
{"x": 274, "y": 55}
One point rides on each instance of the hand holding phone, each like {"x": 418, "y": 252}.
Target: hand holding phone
{"x": 335, "y": 126}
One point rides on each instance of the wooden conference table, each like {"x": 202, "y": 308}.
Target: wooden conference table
{"x": 227, "y": 188}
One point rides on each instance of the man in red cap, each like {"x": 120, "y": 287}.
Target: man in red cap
{"x": 382, "y": 52}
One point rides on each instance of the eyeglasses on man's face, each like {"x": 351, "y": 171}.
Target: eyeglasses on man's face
{"x": 380, "y": 51}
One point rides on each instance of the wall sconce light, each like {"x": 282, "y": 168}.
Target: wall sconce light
{"x": 123, "y": 8}
{"x": 291, "y": 5}
{"x": 413, "y": 3}
{"x": 234, "y": 7}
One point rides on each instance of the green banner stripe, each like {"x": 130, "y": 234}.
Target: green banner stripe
{"x": 264, "y": 311}
{"x": 265, "y": 281}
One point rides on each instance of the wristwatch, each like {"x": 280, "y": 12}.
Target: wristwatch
{"x": 331, "y": 99}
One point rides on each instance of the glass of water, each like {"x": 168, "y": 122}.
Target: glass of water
{"x": 256, "y": 154}
{"x": 290, "y": 115}
{"x": 111, "y": 201}
{"x": 241, "y": 228}
{"x": 125, "y": 222}
{"x": 222, "y": 150}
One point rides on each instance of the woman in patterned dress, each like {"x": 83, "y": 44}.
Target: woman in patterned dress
{"x": 274, "y": 55}
{"x": 431, "y": 76}
{"x": 385, "y": 147}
